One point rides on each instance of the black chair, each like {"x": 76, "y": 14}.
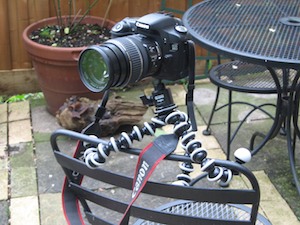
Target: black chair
{"x": 240, "y": 77}
{"x": 103, "y": 193}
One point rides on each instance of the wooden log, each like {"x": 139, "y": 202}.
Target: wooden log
{"x": 77, "y": 113}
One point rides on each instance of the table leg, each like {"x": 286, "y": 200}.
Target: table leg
{"x": 291, "y": 145}
{"x": 277, "y": 125}
{"x": 287, "y": 113}
{"x": 280, "y": 116}
{"x": 292, "y": 148}
{"x": 296, "y": 110}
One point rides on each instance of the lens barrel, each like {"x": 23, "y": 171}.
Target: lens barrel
{"x": 118, "y": 62}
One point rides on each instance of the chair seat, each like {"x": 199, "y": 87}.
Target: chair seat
{"x": 209, "y": 210}
{"x": 244, "y": 77}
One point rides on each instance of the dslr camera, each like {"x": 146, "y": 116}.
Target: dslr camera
{"x": 153, "y": 45}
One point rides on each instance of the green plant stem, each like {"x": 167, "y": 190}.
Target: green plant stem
{"x": 70, "y": 3}
{"x": 56, "y": 12}
{"x": 74, "y": 7}
{"x": 85, "y": 14}
{"x": 59, "y": 12}
{"x": 106, "y": 12}
{"x": 75, "y": 17}
{"x": 57, "y": 8}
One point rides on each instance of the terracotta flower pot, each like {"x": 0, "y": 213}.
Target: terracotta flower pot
{"x": 56, "y": 67}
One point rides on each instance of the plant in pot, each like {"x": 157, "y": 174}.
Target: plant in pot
{"x": 54, "y": 45}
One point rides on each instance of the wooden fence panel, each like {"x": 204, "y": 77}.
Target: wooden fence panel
{"x": 37, "y": 9}
{"x": 5, "y": 59}
{"x": 17, "y": 22}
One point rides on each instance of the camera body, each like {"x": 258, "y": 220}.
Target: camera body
{"x": 153, "y": 45}
{"x": 171, "y": 38}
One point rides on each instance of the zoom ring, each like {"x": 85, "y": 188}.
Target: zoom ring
{"x": 134, "y": 56}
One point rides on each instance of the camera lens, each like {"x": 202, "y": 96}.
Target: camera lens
{"x": 118, "y": 62}
{"x": 94, "y": 70}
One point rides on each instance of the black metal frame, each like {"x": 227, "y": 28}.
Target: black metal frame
{"x": 216, "y": 196}
{"x": 217, "y": 77}
{"x": 234, "y": 38}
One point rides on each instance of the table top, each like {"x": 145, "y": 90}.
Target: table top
{"x": 259, "y": 31}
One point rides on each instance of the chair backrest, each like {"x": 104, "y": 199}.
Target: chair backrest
{"x": 104, "y": 193}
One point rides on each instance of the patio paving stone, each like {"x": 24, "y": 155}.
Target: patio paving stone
{"x": 3, "y": 139}
{"x": 278, "y": 213}
{"x": 18, "y": 111}
{"x": 24, "y": 210}
{"x": 3, "y": 113}
{"x": 3, "y": 163}
{"x": 23, "y": 182}
{"x": 49, "y": 174}
{"x": 42, "y": 121}
{"x": 51, "y": 209}
{"x": 4, "y": 212}
{"x": 272, "y": 202}
{"x": 22, "y": 155}
{"x": 3, "y": 184}
{"x": 19, "y": 131}
{"x": 23, "y": 173}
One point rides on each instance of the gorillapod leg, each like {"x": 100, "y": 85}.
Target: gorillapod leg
{"x": 165, "y": 113}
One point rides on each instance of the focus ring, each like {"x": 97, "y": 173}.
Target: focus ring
{"x": 134, "y": 56}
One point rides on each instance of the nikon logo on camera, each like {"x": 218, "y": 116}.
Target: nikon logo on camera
{"x": 142, "y": 25}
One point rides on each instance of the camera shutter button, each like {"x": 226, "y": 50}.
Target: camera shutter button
{"x": 118, "y": 27}
{"x": 181, "y": 29}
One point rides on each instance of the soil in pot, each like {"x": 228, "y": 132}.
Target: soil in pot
{"x": 82, "y": 35}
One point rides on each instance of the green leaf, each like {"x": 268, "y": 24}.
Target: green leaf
{"x": 16, "y": 98}
{"x": 45, "y": 33}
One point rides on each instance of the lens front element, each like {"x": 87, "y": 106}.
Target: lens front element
{"x": 94, "y": 71}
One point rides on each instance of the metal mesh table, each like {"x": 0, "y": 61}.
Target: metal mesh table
{"x": 265, "y": 32}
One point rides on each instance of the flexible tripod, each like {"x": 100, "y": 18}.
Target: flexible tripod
{"x": 183, "y": 129}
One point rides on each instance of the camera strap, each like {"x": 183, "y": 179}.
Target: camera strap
{"x": 189, "y": 100}
{"x": 190, "y": 104}
{"x": 148, "y": 159}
